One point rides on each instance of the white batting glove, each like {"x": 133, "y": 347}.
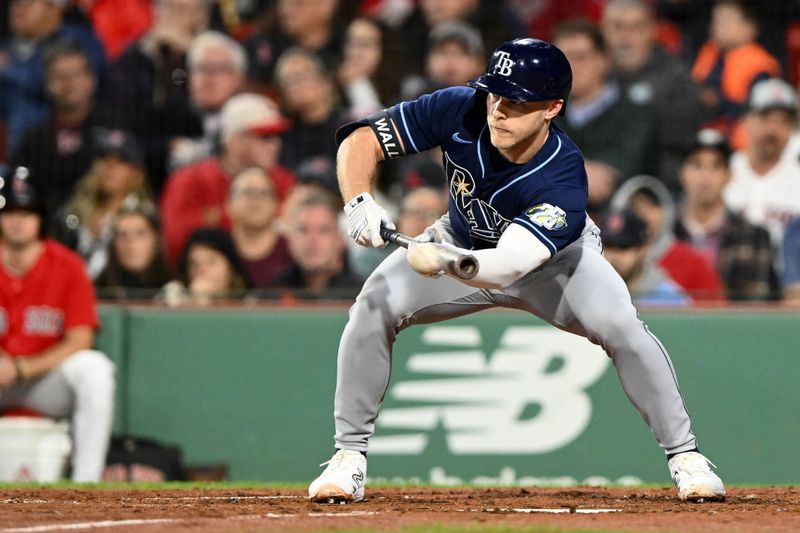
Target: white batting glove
{"x": 364, "y": 220}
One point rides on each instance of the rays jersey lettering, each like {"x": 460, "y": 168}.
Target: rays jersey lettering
{"x": 485, "y": 223}
{"x": 546, "y": 195}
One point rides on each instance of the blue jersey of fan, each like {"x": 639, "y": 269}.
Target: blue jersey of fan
{"x": 547, "y": 195}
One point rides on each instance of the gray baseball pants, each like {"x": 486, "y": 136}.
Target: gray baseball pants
{"x": 577, "y": 290}
{"x": 82, "y": 387}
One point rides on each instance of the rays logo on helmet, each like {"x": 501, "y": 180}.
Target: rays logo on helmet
{"x": 548, "y": 216}
{"x": 504, "y": 64}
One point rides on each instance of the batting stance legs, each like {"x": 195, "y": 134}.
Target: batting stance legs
{"x": 565, "y": 291}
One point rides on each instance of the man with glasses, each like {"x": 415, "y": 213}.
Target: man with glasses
{"x": 35, "y": 25}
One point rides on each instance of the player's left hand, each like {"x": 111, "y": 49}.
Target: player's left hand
{"x": 364, "y": 220}
{"x": 426, "y": 258}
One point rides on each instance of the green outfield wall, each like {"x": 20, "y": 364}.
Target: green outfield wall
{"x": 493, "y": 398}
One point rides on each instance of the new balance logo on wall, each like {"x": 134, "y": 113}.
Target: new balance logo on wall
{"x": 528, "y": 397}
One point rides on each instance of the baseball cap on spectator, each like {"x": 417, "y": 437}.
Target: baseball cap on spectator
{"x": 17, "y": 192}
{"x": 773, "y": 93}
{"x": 456, "y": 31}
{"x": 710, "y": 139}
{"x": 120, "y": 143}
{"x": 622, "y": 229}
{"x": 252, "y": 113}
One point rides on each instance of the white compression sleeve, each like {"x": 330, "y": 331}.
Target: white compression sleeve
{"x": 518, "y": 252}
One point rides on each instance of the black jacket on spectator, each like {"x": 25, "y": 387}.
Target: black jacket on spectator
{"x": 264, "y": 48}
{"x": 150, "y": 85}
{"x": 343, "y": 286}
{"x": 746, "y": 260}
{"x": 622, "y": 135}
{"x": 665, "y": 84}
{"x": 496, "y": 22}
{"x": 58, "y": 160}
{"x": 306, "y": 141}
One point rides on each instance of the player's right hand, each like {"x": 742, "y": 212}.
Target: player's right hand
{"x": 435, "y": 234}
{"x": 364, "y": 220}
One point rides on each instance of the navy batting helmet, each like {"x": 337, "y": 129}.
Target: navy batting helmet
{"x": 527, "y": 70}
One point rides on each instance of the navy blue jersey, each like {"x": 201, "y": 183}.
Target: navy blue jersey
{"x": 547, "y": 195}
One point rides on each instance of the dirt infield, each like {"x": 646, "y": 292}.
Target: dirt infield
{"x": 745, "y": 510}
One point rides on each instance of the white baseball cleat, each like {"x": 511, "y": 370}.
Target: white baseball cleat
{"x": 342, "y": 481}
{"x": 694, "y": 478}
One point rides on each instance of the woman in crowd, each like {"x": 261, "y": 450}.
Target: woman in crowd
{"x": 115, "y": 176}
{"x": 209, "y": 270}
{"x": 137, "y": 265}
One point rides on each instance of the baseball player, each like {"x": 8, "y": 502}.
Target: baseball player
{"x": 47, "y": 325}
{"x": 518, "y": 193}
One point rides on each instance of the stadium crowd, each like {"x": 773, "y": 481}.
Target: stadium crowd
{"x": 185, "y": 148}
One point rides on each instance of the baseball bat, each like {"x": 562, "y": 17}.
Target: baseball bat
{"x": 464, "y": 266}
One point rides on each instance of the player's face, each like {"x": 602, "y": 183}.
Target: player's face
{"x": 704, "y": 175}
{"x": 19, "y": 228}
{"x": 135, "y": 242}
{"x": 517, "y": 129}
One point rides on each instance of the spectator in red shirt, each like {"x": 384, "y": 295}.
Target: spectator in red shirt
{"x": 649, "y": 198}
{"x": 195, "y": 195}
{"x": 47, "y": 327}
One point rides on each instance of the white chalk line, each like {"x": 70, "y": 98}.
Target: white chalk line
{"x": 142, "y": 522}
{"x": 72, "y": 526}
{"x": 88, "y": 525}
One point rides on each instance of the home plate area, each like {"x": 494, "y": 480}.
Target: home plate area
{"x": 29, "y": 510}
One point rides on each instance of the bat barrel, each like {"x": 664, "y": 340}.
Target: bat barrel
{"x": 461, "y": 266}
{"x": 465, "y": 267}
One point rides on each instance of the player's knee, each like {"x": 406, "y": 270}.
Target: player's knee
{"x": 613, "y": 328}
{"x": 90, "y": 370}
